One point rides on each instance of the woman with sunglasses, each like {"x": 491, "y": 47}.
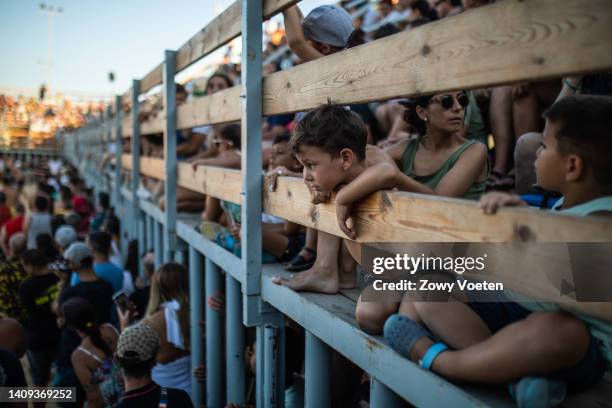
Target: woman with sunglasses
{"x": 440, "y": 162}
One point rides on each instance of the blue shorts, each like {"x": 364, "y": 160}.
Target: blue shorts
{"x": 585, "y": 373}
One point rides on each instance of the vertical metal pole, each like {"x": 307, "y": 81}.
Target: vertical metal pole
{"x": 214, "y": 350}
{"x": 141, "y": 241}
{"x": 270, "y": 363}
{"x": 135, "y": 157}
{"x": 118, "y": 152}
{"x": 274, "y": 367}
{"x": 197, "y": 304}
{"x": 235, "y": 342}
{"x": 317, "y": 372}
{"x": 259, "y": 376}
{"x": 383, "y": 397}
{"x": 252, "y": 16}
{"x": 149, "y": 240}
{"x": 158, "y": 244}
{"x": 170, "y": 151}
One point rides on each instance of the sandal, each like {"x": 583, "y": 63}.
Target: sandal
{"x": 500, "y": 182}
{"x": 299, "y": 263}
{"x": 538, "y": 392}
{"x": 402, "y": 334}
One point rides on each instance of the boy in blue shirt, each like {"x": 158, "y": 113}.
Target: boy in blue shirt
{"x": 542, "y": 350}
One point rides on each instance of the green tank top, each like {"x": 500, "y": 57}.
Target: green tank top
{"x": 432, "y": 180}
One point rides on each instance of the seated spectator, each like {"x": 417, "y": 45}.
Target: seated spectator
{"x": 448, "y": 8}
{"x": 228, "y": 145}
{"x": 37, "y": 294}
{"x": 100, "y": 244}
{"x": 38, "y": 222}
{"x": 168, "y": 314}
{"x": 539, "y": 349}
{"x": 13, "y": 226}
{"x": 12, "y": 274}
{"x": 93, "y": 359}
{"x": 137, "y": 349}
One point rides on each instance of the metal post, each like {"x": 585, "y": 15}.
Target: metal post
{"x": 170, "y": 151}
{"x": 252, "y": 15}
{"x": 317, "y": 388}
{"x": 141, "y": 241}
{"x": 235, "y": 342}
{"x": 149, "y": 234}
{"x": 270, "y": 364}
{"x": 158, "y": 243}
{"x": 259, "y": 376}
{"x": 274, "y": 364}
{"x": 214, "y": 350}
{"x": 383, "y": 397}
{"x": 135, "y": 158}
{"x": 118, "y": 197}
{"x": 197, "y": 304}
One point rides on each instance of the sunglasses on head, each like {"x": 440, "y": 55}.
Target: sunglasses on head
{"x": 448, "y": 101}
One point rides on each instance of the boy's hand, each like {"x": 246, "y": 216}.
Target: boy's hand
{"x": 343, "y": 212}
{"x": 490, "y": 202}
{"x": 217, "y": 302}
{"x": 272, "y": 177}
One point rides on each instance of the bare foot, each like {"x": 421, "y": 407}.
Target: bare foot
{"x": 316, "y": 279}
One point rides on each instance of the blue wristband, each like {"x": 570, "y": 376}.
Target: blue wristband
{"x": 431, "y": 354}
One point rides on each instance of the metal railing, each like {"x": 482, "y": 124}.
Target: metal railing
{"x": 501, "y": 43}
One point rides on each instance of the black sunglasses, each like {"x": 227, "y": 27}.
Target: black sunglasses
{"x": 448, "y": 101}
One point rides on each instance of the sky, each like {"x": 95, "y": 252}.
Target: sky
{"x": 93, "y": 37}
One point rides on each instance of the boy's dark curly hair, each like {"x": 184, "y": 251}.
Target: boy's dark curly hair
{"x": 331, "y": 128}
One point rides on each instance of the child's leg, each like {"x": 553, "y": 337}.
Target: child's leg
{"x": 346, "y": 266}
{"x": 371, "y": 316}
{"x": 273, "y": 241}
{"x": 539, "y": 344}
{"x": 213, "y": 209}
{"x": 323, "y": 276}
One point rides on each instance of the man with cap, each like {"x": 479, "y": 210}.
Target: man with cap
{"x": 98, "y": 292}
{"x": 325, "y": 30}
{"x": 136, "y": 353}
{"x": 64, "y": 236}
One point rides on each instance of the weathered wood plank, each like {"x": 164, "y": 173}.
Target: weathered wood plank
{"x": 224, "y": 28}
{"x": 505, "y": 42}
{"x": 215, "y": 181}
{"x": 512, "y": 41}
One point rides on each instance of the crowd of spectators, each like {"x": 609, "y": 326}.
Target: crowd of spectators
{"x": 542, "y": 143}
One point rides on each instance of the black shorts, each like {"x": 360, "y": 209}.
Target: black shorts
{"x": 585, "y": 373}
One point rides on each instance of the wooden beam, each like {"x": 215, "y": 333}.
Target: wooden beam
{"x": 512, "y": 41}
{"x": 392, "y": 216}
{"x": 215, "y": 181}
{"x": 149, "y": 166}
{"x": 224, "y": 28}
{"x": 506, "y": 42}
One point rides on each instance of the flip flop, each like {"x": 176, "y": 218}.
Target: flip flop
{"x": 299, "y": 263}
{"x": 538, "y": 392}
{"x": 402, "y": 334}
